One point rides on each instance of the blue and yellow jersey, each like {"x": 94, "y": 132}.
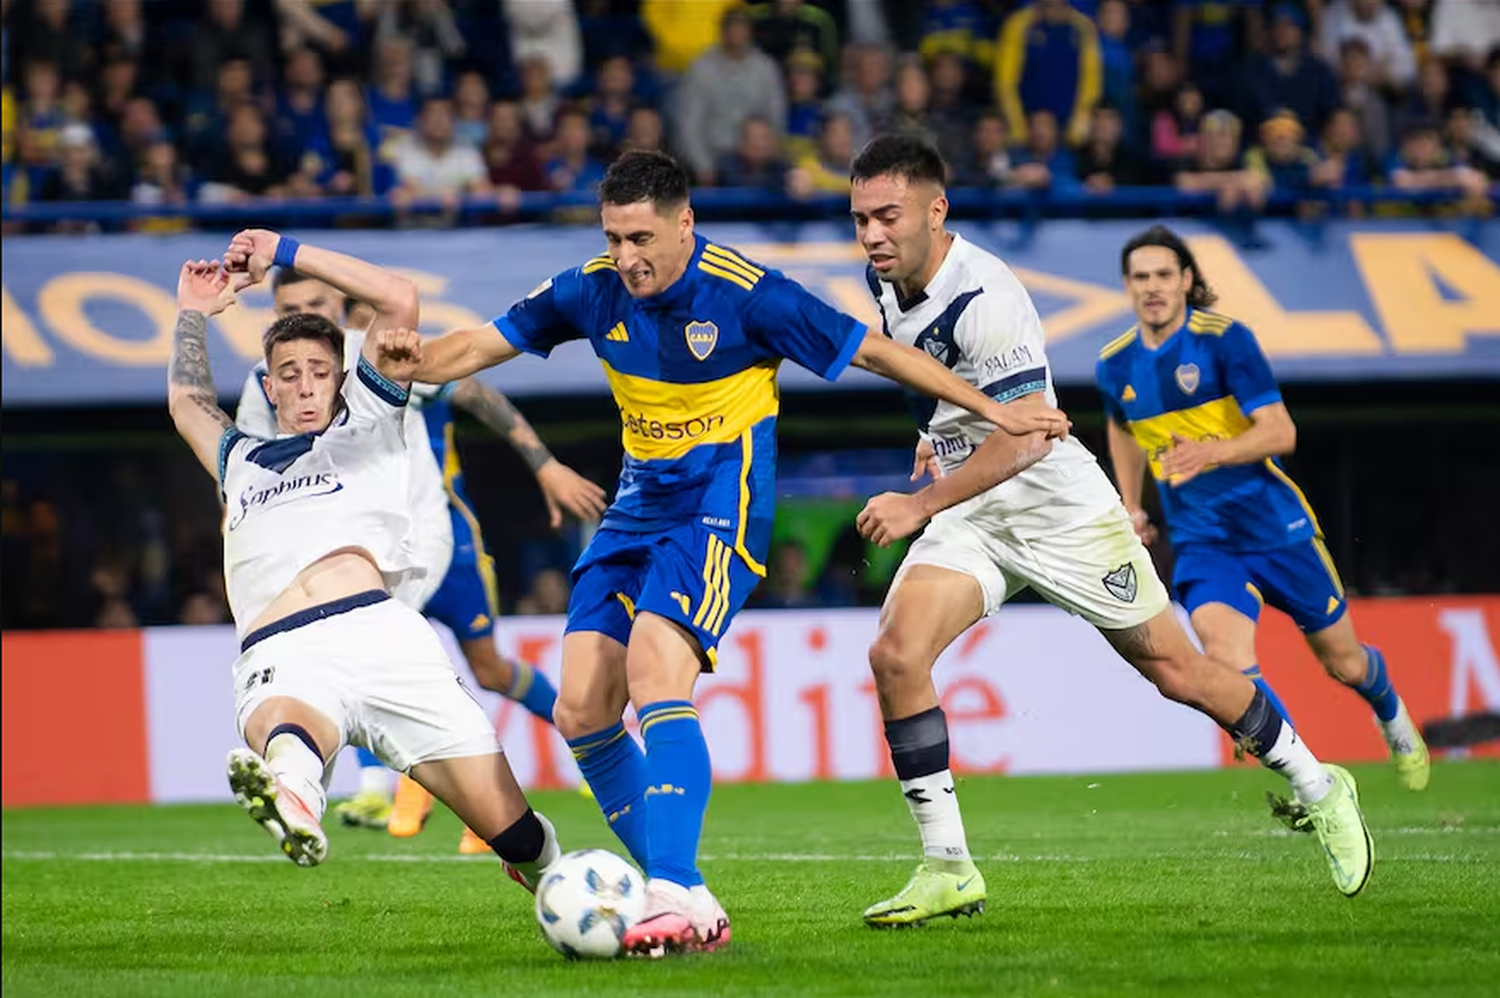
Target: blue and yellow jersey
{"x": 1201, "y": 384}
{"x": 693, "y": 371}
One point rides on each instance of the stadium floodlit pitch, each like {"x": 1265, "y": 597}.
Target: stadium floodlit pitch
{"x": 1111, "y": 885}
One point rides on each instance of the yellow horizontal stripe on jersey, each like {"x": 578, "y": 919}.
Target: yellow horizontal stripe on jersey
{"x": 662, "y": 420}
{"x": 733, "y": 261}
{"x": 1216, "y": 420}
{"x": 1117, "y": 344}
{"x": 708, "y": 267}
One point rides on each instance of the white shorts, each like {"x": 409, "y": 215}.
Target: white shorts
{"x": 380, "y": 673}
{"x": 1098, "y": 569}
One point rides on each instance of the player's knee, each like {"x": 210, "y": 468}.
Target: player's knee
{"x": 896, "y": 663}
{"x": 1347, "y": 665}
{"x": 574, "y": 719}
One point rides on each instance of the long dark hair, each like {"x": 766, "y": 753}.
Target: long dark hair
{"x": 1199, "y": 295}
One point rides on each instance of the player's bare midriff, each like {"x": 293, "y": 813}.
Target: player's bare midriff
{"x": 335, "y": 575}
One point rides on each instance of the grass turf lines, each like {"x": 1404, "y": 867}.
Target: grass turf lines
{"x": 1110, "y": 885}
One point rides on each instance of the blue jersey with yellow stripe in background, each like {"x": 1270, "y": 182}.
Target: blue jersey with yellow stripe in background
{"x": 1201, "y": 384}
{"x": 693, "y": 371}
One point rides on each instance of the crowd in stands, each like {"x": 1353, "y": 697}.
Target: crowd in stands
{"x": 431, "y": 102}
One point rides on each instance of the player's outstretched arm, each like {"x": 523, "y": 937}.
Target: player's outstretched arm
{"x": 913, "y": 368}
{"x": 462, "y": 353}
{"x": 203, "y": 290}
{"x": 394, "y": 298}
{"x": 563, "y": 488}
{"x": 395, "y": 353}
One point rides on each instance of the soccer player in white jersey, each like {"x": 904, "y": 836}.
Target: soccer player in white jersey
{"x": 1004, "y": 513}
{"x": 315, "y": 539}
{"x": 459, "y": 588}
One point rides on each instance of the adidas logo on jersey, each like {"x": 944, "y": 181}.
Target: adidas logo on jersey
{"x": 1121, "y": 584}
{"x": 617, "y": 334}
{"x": 1128, "y": 395}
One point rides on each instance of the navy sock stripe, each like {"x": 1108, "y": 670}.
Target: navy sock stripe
{"x": 296, "y": 731}
{"x": 919, "y": 744}
{"x": 1259, "y": 727}
{"x": 522, "y": 842}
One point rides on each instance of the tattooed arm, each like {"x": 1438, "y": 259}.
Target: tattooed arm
{"x": 193, "y": 402}
{"x": 562, "y": 487}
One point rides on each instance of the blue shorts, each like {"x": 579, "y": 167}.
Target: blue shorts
{"x": 690, "y": 574}
{"x": 468, "y": 600}
{"x": 1299, "y": 580}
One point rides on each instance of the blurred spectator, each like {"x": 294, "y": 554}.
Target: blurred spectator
{"x": 948, "y": 111}
{"x": 645, "y": 131}
{"x": 548, "y": 30}
{"x": 43, "y": 601}
{"x": 208, "y": 113}
{"x": 1465, "y": 31}
{"x": 124, "y": 30}
{"x": 913, "y": 94}
{"x": 539, "y": 100}
{"x": 1207, "y": 37}
{"x": 201, "y": 609}
{"x": 781, "y": 27}
{"x": 1392, "y": 65}
{"x": 787, "y": 585}
{"x": 988, "y": 161}
{"x": 248, "y": 165}
{"x": 724, "y": 86}
{"x": 1416, "y": 23}
{"x": 56, "y": 34}
{"x": 1290, "y": 76}
{"x": 682, "y": 30}
{"x": 11, "y": 192}
{"x": 1117, "y": 59}
{"x": 611, "y": 28}
{"x": 1282, "y": 162}
{"x": 300, "y": 117}
{"x": 1220, "y": 168}
{"x": 224, "y": 32}
{"x": 843, "y": 581}
{"x": 118, "y": 83}
{"x": 1487, "y": 129}
{"x": 79, "y": 175}
{"x": 572, "y": 167}
{"x": 430, "y": 163}
{"x": 41, "y": 119}
{"x": 1048, "y": 60}
{"x": 1176, "y": 131}
{"x": 827, "y": 171}
{"x": 344, "y": 159}
{"x": 336, "y": 27}
{"x": 1043, "y": 162}
{"x": 964, "y": 28}
{"x": 1107, "y": 160}
{"x": 866, "y": 97}
{"x": 1358, "y": 93}
{"x": 160, "y": 180}
{"x": 804, "y": 108}
{"x": 756, "y": 161}
{"x": 1432, "y": 98}
{"x": 510, "y": 155}
{"x": 549, "y": 594}
{"x": 1345, "y": 156}
{"x": 1423, "y": 164}
{"x": 614, "y": 89}
{"x": 427, "y": 25}
{"x": 140, "y": 127}
{"x": 393, "y": 98}
{"x": 471, "y": 109}
{"x": 1461, "y": 132}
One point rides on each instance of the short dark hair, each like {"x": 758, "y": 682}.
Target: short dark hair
{"x": 644, "y": 175}
{"x": 304, "y": 326}
{"x": 285, "y": 276}
{"x": 1199, "y": 295}
{"x": 900, "y": 154}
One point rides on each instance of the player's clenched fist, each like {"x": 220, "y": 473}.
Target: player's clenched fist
{"x": 251, "y": 252}
{"x": 398, "y": 353}
{"x": 889, "y": 517}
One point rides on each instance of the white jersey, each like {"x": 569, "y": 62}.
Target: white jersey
{"x": 431, "y": 538}
{"x": 294, "y": 500}
{"x": 976, "y": 317}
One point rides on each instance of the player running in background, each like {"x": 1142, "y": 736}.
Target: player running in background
{"x": 459, "y": 589}
{"x": 1007, "y": 513}
{"x": 1190, "y": 395}
{"x": 690, "y": 334}
{"x": 315, "y": 539}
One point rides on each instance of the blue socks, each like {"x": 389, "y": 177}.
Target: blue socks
{"x": 1253, "y": 674}
{"x": 680, "y": 777}
{"x": 615, "y": 768}
{"x": 1377, "y": 689}
{"x": 531, "y": 688}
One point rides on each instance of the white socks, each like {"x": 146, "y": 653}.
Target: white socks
{"x": 375, "y": 780}
{"x": 1291, "y": 757}
{"x": 934, "y": 807}
{"x": 1400, "y": 733}
{"x": 299, "y": 768}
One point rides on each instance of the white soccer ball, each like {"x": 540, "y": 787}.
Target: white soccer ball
{"x": 586, "y": 901}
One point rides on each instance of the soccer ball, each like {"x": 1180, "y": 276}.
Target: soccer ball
{"x": 586, "y": 901}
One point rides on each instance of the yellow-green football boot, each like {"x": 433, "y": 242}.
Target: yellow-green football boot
{"x": 1342, "y": 831}
{"x": 937, "y": 888}
{"x": 1408, "y": 751}
{"x": 369, "y": 809}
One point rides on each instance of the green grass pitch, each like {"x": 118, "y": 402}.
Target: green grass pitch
{"x": 1111, "y": 885}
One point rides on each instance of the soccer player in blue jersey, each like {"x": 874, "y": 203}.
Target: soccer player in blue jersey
{"x": 690, "y": 334}
{"x": 1190, "y": 396}
{"x": 460, "y": 593}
